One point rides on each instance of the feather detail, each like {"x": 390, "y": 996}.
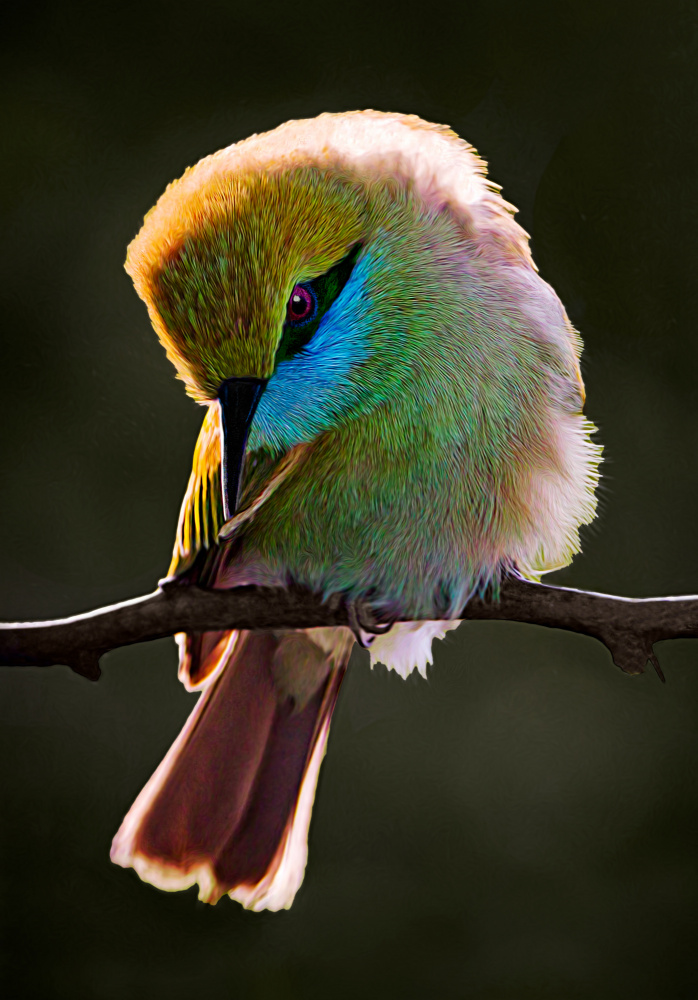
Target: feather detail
{"x": 229, "y": 807}
{"x": 408, "y": 646}
{"x": 284, "y": 468}
{"x": 202, "y": 655}
{"x": 201, "y": 513}
{"x": 200, "y": 521}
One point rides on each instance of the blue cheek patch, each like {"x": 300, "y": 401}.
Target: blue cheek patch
{"x": 308, "y": 393}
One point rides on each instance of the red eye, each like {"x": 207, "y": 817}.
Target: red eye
{"x": 302, "y": 305}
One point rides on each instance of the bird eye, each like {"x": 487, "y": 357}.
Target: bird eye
{"x": 309, "y": 303}
{"x": 302, "y": 306}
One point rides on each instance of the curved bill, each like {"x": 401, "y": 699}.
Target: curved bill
{"x": 238, "y": 398}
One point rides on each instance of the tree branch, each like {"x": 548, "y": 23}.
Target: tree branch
{"x": 628, "y": 627}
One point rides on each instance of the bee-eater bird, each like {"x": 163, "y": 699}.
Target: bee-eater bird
{"x": 394, "y": 414}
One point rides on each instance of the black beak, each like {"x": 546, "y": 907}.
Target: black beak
{"x": 238, "y": 398}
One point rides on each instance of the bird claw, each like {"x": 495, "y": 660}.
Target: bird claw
{"x": 362, "y": 620}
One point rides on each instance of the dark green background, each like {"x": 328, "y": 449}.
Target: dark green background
{"x": 525, "y": 823}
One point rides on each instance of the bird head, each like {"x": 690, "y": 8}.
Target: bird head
{"x": 289, "y": 275}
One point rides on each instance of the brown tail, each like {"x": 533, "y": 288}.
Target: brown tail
{"x": 229, "y": 807}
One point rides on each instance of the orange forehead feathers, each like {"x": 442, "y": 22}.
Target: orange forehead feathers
{"x": 220, "y": 252}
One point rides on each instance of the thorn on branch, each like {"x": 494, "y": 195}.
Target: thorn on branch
{"x": 655, "y": 663}
{"x": 86, "y": 664}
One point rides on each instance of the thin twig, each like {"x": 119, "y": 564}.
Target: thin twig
{"x": 629, "y": 627}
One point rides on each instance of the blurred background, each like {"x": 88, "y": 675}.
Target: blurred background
{"x": 524, "y": 824}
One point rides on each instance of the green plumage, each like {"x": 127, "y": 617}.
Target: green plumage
{"x": 422, "y": 435}
{"x": 434, "y": 477}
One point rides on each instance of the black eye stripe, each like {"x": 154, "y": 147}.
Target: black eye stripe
{"x": 325, "y": 289}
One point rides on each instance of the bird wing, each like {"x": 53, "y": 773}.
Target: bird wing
{"x": 200, "y": 520}
{"x": 201, "y": 516}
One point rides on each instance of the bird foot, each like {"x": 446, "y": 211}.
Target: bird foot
{"x": 364, "y": 623}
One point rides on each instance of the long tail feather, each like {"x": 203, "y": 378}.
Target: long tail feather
{"x": 229, "y": 807}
